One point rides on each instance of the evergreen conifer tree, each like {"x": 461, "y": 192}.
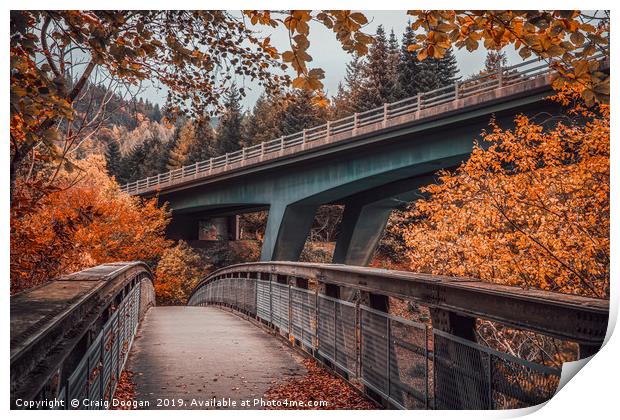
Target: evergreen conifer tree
{"x": 447, "y": 69}
{"x": 408, "y": 66}
{"x": 493, "y": 60}
{"x": 229, "y": 128}
{"x": 203, "y": 147}
{"x": 265, "y": 120}
{"x": 301, "y": 113}
{"x": 185, "y": 136}
{"x": 113, "y": 159}
{"x": 378, "y": 84}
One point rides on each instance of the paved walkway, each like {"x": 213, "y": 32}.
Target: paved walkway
{"x": 193, "y": 357}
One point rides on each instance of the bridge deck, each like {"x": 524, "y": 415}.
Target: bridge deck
{"x": 204, "y": 353}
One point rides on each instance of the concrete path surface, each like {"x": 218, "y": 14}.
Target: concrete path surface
{"x": 199, "y": 357}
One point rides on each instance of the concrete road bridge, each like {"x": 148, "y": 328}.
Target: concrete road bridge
{"x": 246, "y": 327}
{"x": 370, "y": 162}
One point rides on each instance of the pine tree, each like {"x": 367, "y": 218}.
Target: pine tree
{"x": 447, "y": 69}
{"x": 301, "y": 113}
{"x": 265, "y": 120}
{"x": 347, "y": 99}
{"x": 415, "y": 76}
{"x": 229, "y": 129}
{"x": 408, "y": 66}
{"x": 133, "y": 162}
{"x": 393, "y": 64}
{"x": 203, "y": 147}
{"x": 113, "y": 159}
{"x": 378, "y": 85}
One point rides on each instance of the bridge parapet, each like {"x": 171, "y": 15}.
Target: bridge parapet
{"x": 403, "y": 363}
{"x": 70, "y": 337}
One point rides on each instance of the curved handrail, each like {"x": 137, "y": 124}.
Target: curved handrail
{"x": 570, "y": 317}
{"x": 49, "y": 324}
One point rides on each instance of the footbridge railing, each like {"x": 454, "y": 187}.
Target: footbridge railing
{"x": 399, "y": 362}
{"x": 505, "y": 81}
{"x": 70, "y": 337}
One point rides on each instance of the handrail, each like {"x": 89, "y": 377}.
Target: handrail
{"x": 503, "y": 76}
{"x": 51, "y": 348}
{"x": 569, "y": 317}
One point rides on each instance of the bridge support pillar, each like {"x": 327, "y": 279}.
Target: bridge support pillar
{"x": 461, "y": 378}
{"x": 361, "y": 229}
{"x": 287, "y": 229}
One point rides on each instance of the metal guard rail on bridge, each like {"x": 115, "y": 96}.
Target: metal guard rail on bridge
{"x": 328, "y": 132}
{"x": 77, "y": 348}
{"x": 396, "y": 358}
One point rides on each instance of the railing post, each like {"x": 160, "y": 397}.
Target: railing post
{"x": 419, "y": 107}
{"x": 303, "y": 139}
{"x": 210, "y": 164}
{"x": 385, "y": 114}
{"x": 355, "y": 122}
{"x": 456, "y": 90}
{"x": 328, "y": 129}
{"x": 500, "y": 74}
{"x": 281, "y": 143}
{"x": 226, "y": 160}
{"x": 262, "y": 149}
{"x": 243, "y": 154}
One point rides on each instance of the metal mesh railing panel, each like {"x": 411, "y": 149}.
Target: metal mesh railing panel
{"x": 409, "y": 364}
{"x": 516, "y": 384}
{"x": 263, "y": 299}
{"x": 303, "y": 316}
{"x": 325, "y": 328}
{"x": 468, "y": 375}
{"x": 461, "y": 374}
{"x": 279, "y": 306}
{"x": 374, "y": 350}
{"x": 346, "y": 337}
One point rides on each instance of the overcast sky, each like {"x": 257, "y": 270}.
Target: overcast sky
{"x": 327, "y": 53}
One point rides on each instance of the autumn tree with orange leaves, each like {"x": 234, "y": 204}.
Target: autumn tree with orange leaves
{"x": 178, "y": 273}
{"x": 529, "y": 208}
{"x": 83, "y": 221}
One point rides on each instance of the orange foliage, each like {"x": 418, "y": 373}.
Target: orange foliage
{"x": 531, "y": 209}
{"x": 178, "y": 273}
{"x": 82, "y": 220}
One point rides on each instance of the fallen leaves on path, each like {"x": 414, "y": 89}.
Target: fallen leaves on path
{"x": 125, "y": 391}
{"x": 318, "y": 385}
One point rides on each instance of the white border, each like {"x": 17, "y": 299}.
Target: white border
{"x": 592, "y": 394}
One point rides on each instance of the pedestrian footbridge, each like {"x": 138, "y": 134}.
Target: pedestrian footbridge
{"x": 246, "y": 327}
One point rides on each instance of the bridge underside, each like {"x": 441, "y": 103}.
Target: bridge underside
{"x": 370, "y": 178}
